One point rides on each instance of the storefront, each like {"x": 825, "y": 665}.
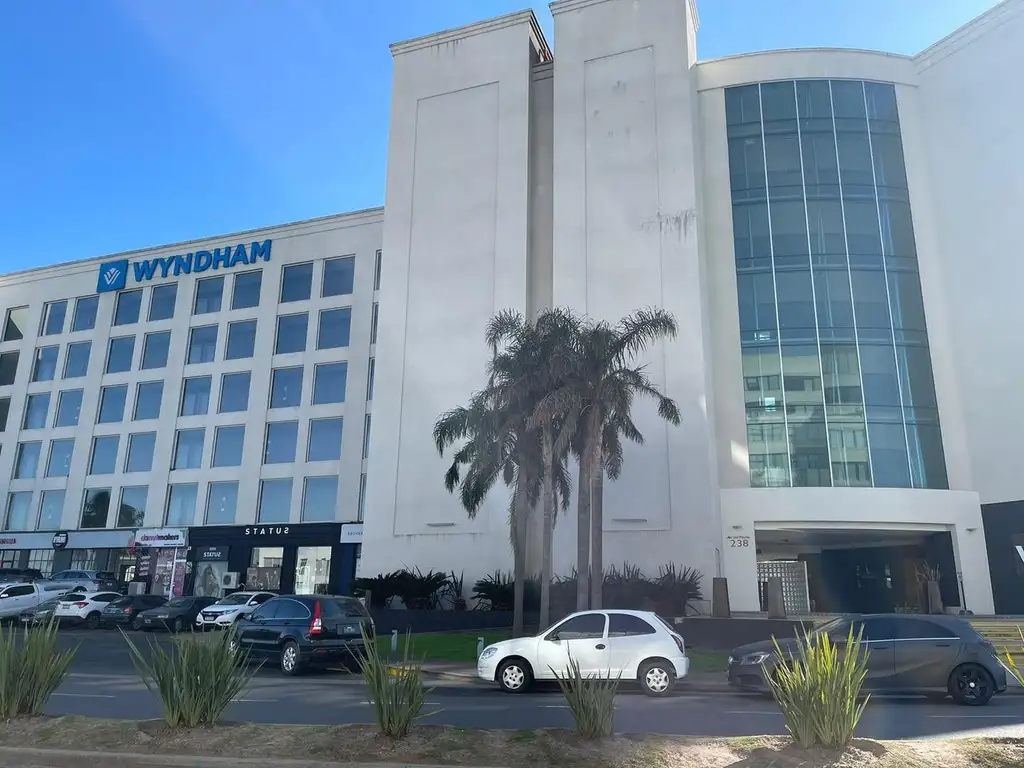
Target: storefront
{"x": 160, "y": 559}
{"x": 310, "y": 558}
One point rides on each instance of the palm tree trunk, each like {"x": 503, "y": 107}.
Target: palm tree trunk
{"x": 548, "y": 500}
{"x": 597, "y": 538}
{"x": 519, "y": 511}
{"x": 583, "y": 537}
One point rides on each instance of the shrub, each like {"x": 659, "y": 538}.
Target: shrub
{"x": 421, "y": 591}
{"x": 496, "y": 592}
{"x": 818, "y": 688}
{"x": 381, "y": 587}
{"x": 30, "y": 670}
{"x": 591, "y": 700}
{"x": 396, "y": 693}
{"x": 196, "y": 679}
{"x": 1011, "y": 664}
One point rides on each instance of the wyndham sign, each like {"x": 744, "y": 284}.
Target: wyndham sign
{"x": 114, "y": 275}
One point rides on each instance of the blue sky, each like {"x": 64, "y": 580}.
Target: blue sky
{"x": 127, "y": 124}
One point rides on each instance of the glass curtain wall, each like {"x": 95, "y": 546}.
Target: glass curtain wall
{"x": 836, "y": 368}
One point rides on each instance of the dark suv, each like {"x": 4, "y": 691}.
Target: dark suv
{"x": 300, "y": 631}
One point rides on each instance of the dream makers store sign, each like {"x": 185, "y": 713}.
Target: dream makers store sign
{"x": 162, "y": 538}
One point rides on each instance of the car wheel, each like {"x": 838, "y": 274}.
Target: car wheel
{"x": 290, "y": 662}
{"x": 136, "y": 622}
{"x": 971, "y": 685}
{"x": 515, "y": 676}
{"x": 178, "y": 625}
{"x": 656, "y": 677}
{"x": 92, "y": 621}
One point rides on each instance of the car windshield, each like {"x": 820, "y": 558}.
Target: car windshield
{"x": 120, "y": 601}
{"x": 236, "y": 599}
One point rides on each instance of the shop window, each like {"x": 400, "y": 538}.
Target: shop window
{"x": 14, "y": 327}
{"x": 264, "y": 569}
{"x": 162, "y": 301}
{"x": 41, "y": 560}
{"x": 246, "y": 290}
{"x": 76, "y": 360}
{"x": 85, "y": 313}
{"x": 84, "y": 559}
{"x": 9, "y": 558}
{"x": 312, "y": 570}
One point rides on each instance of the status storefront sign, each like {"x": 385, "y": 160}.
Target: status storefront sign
{"x": 267, "y": 530}
{"x": 113, "y": 275}
{"x": 211, "y": 554}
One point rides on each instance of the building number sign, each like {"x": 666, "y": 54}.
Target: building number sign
{"x": 739, "y": 541}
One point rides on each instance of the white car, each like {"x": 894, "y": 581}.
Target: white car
{"x": 19, "y": 597}
{"x": 86, "y": 607}
{"x": 631, "y": 645}
{"x": 230, "y": 609}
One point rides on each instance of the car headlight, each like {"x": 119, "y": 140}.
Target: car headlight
{"x": 488, "y": 652}
{"x": 756, "y": 658}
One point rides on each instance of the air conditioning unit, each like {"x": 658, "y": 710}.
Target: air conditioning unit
{"x": 229, "y": 580}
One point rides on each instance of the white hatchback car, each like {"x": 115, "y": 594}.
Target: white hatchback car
{"x": 230, "y": 609}
{"x": 84, "y": 607}
{"x": 636, "y": 645}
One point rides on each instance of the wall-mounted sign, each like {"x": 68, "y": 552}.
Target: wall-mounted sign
{"x": 352, "y": 533}
{"x": 113, "y": 275}
{"x": 267, "y": 530}
{"x": 60, "y": 540}
{"x": 211, "y": 554}
{"x": 738, "y": 541}
{"x": 161, "y": 537}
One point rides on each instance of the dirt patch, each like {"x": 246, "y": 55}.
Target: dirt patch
{"x": 439, "y": 745}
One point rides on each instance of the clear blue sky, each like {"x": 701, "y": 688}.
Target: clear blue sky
{"x": 126, "y": 124}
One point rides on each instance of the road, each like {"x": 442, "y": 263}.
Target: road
{"x": 103, "y": 684}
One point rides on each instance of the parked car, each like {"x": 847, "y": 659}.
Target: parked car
{"x": 42, "y": 613}
{"x": 934, "y": 655}
{"x": 302, "y": 631}
{"x": 12, "y": 575}
{"x": 230, "y": 609}
{"x": 125, "y": 611}
{"x": 90, "y": 581}
{"x": 636, "y": 645}
{"x": 176, "y": 614}
{"x": 19, "y": 596}
{"x": 84, "y": 607}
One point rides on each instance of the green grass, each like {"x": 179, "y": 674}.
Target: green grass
{"x": 708, "y": 661}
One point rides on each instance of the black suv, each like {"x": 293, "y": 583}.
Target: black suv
{"x": 300, "y": 631}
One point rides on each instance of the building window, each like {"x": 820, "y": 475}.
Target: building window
{"x": 291, "y": 333}
{"x": 112, "y": 402}
{"x": 162, "y": 300}
{"x": 84, "y": 559}
{"x": 8, "y": 368}
{"x": 241, "y": 340}
{"x": 275, "y": 503}
{"x": 202, "y": 344}
{"x": 371, "y": 369}
{"x": 246, "y": 290}
{"x": 54, "y": 314}
{"x": 119, "y": 354}
{"x": 281, "y": 439}
{"x": 325, "y": 439}
{"x": 320, "y": 499}
{"x": 104, "y": 455}
{"x": 140, "y": 452}
{"x": 69, "y": 408}
{"x": 36, "y": 408}
{"x": 209, "y": 295}
{"x": 51, "y": 511}
{"x": 155, "y": 350}
{"x": 221, "y": 503}
{"x": 234, "y": 392}
{"x": 377, "y": 262}
{"x": 296, "y": 282}
{"x": 312, "y": 570}
{"x": 195, "y": 396}
{"x": 19, "y": 510}
{"x": 95, "y": 508}
{"x": 181, "y": 504}
{"x": 5, "y": 409}
{"x": 85, "y": 313}
{"x": 76, "y": 361}
{"x": 339, "y": 276}
{"x": 286, "y": 387}
{"x": 59, "y": 462}
{"x": 335, "y": 328}
{"x": 366, "y": 436}
{"x": 45, "y": 366}
{"x": 129, "y": 306}
{"x": 362, "y": 496}
{"x": 132, "y": 511}
{"x": 27, "y": 462}
{"x": 329, "y": 383}
{"x": 14, "y": 325}
{"x": 188, "y": 449}
{"x": 265, "y": 567}
{"x": 227, "y": 446}
{"x": 147, "y": 400}
{"x": 373, "y": 324}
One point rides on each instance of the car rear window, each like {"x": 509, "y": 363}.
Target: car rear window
{"x": 121, "y": 601}
{"x": 346, "y": 607}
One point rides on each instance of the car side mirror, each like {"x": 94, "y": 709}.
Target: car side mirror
{"x": 554, "y": 638}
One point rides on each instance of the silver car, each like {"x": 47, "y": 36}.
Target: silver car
{"x": 89, "y": 581}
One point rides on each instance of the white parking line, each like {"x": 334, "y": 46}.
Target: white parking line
{"x": 253, "y": 701}
{"x": 751, "y": 712}
{"x": 977, "y": 717}
{"x": 86, "y": 695}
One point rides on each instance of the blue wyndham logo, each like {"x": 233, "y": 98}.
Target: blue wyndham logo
{"x": 113, "y": 276}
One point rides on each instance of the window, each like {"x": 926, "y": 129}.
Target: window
{"x": 362, "y": 495}
{"x": 5, "y": 409}
{"x": 59, "y": 462}
{"x": 275, "y": 501}
{"x": 140, "y": 452}
{"x": 246, "y": 290}
{"x": 162, "y": 300}
{"x": 329, "y": 382}
{"x": 324, "y": 439}
{"x": 147, "y": 400}
{"x": 296, "y": 282}
{"x": 14, "y": 326}
{"x": 286, "y": 387}
{"x": 95, "y": 506}
{"x": 155, "y": 349}
{"x": 132, "y": 511}
{"x": 267, "y": 561}
{"x": 181, "y": 504}
{"x": 112, "y": 401}
{"x": 281, "y": 439}
{"x": 27, "y": 461}
{"x": 104, "y": 455}
{"x": 320, "y": 499}
{"x": 586, "y": 627}
{"x": 202, "y": 344}
{"x": 76, "y": 361}
{"x": 335, "y": 328}
{"x": 51, "y": 510}
{"x": 291, "y": 334}
{"x": 241, "y": 340}
{"x": 69, "y": 408}
{"x": 19, "y": 508}
{"x": 188, "y": 449}
{"x": 376, "y": 270}
{"x": 44, "y": 368}
{"x": 8, "y": 368}
{"x": 234, "y": 392}
{"x": 373, "y": 324}
{"x": 627, "y": 625}
{"x": 227, "y": 446}
{"x": 875, "y": 629}
{"x": 129, "y": 305}
{"x": 209, "y": 295}
{"x": 119, "y": 354}
{"x": 195, "y": 396}
{"x": 85, "y": 313}
{"x": 339, "y": 276}
{"x": 54, "y": 314}
{"x": 36, "y": 408}
{"x": 366, "y": 436}
{"x": 221, "y": 503}
{"x": 369, "y": 378}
